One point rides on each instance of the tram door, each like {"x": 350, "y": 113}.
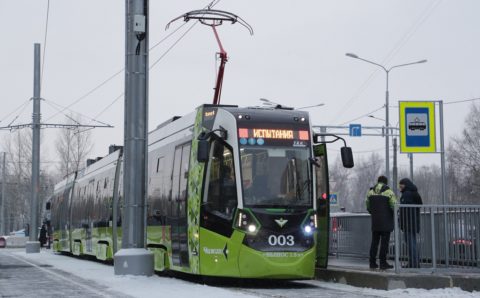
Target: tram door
{"x": 323, "y": 204}
{"x": 179, "y": 222}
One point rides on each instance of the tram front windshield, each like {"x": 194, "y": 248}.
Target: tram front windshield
{"x": 276, "y": 177}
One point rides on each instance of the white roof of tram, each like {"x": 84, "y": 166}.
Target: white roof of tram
{"x": 172, "y": 128}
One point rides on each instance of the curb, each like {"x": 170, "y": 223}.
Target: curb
{"x": 390, "y": 281}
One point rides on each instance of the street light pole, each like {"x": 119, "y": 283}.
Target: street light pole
{"x": 387, "y": 97}
{"x": 410, "y": 156}
{"x": 387, "y": 130}
{"x": 3, "y": 230}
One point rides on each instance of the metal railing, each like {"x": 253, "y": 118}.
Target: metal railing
{"x": 435, "y": 237}
{"x": 350, "y": 234}
{"x": 425, "y": 238}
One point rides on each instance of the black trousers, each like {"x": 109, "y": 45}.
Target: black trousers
{"x": 383, "y": 238}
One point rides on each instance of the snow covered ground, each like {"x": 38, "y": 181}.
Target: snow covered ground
{"x": 157, "y": 286}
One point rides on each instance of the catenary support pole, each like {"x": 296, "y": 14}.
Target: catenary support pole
{"x": 3, "y": 208}
{"x": 133, "y": 258}
{"x": 33, "y": 245}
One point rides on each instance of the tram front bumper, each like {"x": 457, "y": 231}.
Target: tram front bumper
{"x": 276, "y": 265}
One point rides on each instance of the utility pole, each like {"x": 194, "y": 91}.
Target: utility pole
{"x": 394, "y": 183}
{"x": 33, "y": 245}
{"x": 3, "y": 230}
{"x": 133, "y": 258}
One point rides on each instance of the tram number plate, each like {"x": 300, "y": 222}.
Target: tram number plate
{"x": 281, "y": 240}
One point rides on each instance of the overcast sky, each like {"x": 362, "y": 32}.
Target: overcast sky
{"x": 296, "y": 57}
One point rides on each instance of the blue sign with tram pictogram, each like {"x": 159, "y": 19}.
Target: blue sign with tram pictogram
{"x": 417, "y": 127}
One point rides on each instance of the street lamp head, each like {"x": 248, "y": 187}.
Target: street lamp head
{"x": 351, "y": 55}
{"x": 422, "y": 61}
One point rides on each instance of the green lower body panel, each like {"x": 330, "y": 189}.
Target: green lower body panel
{"x": 276, "y": 265}
{"x": 223, "y": 256}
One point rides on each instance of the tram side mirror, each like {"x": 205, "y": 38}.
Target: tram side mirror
{"x": 347, "y": 157}
{"x": 48, "y": 205}
{"x": 203, "y": 148}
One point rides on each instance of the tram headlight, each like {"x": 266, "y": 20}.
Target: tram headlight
{"x": 310, "y": 224}
{"x": 308, "y": 229}
{"x": 245, "y": 221}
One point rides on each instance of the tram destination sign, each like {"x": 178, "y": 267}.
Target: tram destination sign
{"x": 273, "y": 136}
{"x": 417, "y": 127}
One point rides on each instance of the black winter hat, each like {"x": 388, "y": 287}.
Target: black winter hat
{"x": 382, "y": 179}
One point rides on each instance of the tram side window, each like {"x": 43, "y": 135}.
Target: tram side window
{"x": 221, "y": 198}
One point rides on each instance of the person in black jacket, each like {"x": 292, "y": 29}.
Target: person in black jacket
{"x": 380, "y": 204}
{"x": 410, "y": 219}
{"x": 43, "y": 236}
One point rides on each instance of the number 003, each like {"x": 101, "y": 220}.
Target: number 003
{"x": 281, "y": 240}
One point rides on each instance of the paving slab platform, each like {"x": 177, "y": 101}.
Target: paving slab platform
{"x": 355, "y": 272}
{"x": 20, "y": 277}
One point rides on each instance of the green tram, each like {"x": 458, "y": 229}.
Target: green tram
{"x": 232, "y": 192}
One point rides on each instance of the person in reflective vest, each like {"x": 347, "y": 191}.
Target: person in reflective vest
{"x": 380, "y": 204}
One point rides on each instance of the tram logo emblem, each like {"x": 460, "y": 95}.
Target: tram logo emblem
{"x": 281, "y": 222}
{"x": 225, "y": 251}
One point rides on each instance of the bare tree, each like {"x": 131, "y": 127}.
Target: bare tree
{"x": 72, "y": 146}
{"x": 428, "y": 180}
{"x": 367, "y": 171}
{"x": 18, "y": 145}
{"x": 339, "y": 182}
{"x": 464, "y": 159}
{"x": 353, "y": 184}
{"x": 19, "y": 157}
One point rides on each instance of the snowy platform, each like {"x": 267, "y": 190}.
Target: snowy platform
{"x": 356, "y": 272}
{"x": 51, "y": 275}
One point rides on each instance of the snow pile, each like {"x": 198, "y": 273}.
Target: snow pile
{"x": 398, "y": 293}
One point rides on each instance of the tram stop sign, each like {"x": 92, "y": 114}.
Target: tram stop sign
{"x": 417, "y": 127}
